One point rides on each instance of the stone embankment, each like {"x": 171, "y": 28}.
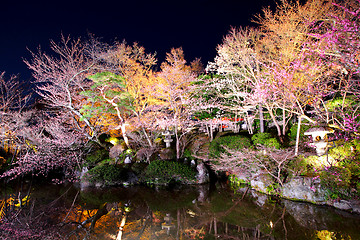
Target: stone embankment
{"x": 300, "y": 188}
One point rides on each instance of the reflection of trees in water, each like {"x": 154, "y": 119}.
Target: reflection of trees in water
{"x": 157, "y": 214}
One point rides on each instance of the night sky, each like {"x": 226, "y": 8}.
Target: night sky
{"x": 196, "y": 25}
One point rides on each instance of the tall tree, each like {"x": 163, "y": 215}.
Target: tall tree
{"x": 135, "y": 67}
{"x": 59, "y": 79}
{"x": 240, "y": 67}
{"x": 108, "y": 95}
{"x": 176, "y": 78}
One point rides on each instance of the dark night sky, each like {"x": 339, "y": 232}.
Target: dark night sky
{"x": 198, "y": 25}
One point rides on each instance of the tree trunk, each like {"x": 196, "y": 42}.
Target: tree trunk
{"x": 261, "y": 116}
{"x": 177, "y": 144}
{"x": 298, "y": 135}
{"x": 143, "y": 130}
{"x": 275, "y": 123}
{"x": 248, "y": 123}
{"x": 123, "y": 131}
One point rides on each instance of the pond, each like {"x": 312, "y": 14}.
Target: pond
{"x": 187, "y": 212}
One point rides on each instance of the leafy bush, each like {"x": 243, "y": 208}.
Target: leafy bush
{"x": 272, "y": 143}
{"x": 303, "y": 129}
{"x": 105, "y": 173}
{"x": 233, "y": 142}
{"x": 337, "y": 181}
{"x": 187, "y": 154}
{"x": 266, "y": 140}
{"x": 299, "y": 166}
{"x": 345, "y": 149}
{"x": 260, "y": 138}
{"x": 163, "y": 172}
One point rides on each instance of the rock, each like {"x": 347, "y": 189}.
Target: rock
{"x": 304, "y": 188}
{"x": 307, "y": 215}
{"x": 202, "y": 173}
{"x": 128, "y": 159}
{"x": 192, "y": 163}
{"x": 203, "y": 191}
{"x": 261, "y": 182}
{"x": 355, "y": 206}
{"x": 166, "y": 154}
{"x": 261, "y": 198}
{"x": 342, "y": 204}
{"x": 116, "y": 150}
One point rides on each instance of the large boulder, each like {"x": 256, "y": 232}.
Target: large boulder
{"x": 262, "y": 182}
{"x": 304, "y": 188}
{"x": 167, "y": 154}
{"x": 116, "y": 150}
{"x": 202, "y": 175}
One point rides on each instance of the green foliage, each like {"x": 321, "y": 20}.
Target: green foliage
{"x": 138, "y": 167}
{"x": 233, "y": 142}
{"x": 265, "y": 139}
{"x": 340, "y": 103}
{"x": 259, "y": 138}
{"x": 293, "y": 130}
{"x": 299, "y": 166}
{"x": 113, "y": 89}
{"x": 337, "y": 181}
{"x": 106, "y": 173}
{"x": 163, "y": 172}
{"x": 236, "y": 183}
{"x": 96, "y": 157}
{"x": 272, "y": 188}
{"x": 187, "y": 154}
{"x": 345, "y": 149}
{"x": 272, "y": 143}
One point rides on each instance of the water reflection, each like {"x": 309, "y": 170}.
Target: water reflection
{"x": 191, "y": 212}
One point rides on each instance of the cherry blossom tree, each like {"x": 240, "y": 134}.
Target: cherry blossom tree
{"x": 240, "y": 70}
{"x": 176, "y": 78}
{"x": 337, "y": 45}
{"x": 51, "y": 142}
{"x": 59, "y": 79}
{"x": 13, "y": 104}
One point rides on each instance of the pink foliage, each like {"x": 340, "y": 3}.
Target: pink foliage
{"x": 50, "y": 145}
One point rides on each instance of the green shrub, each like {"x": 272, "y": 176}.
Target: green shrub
{"x": 299, "y": 166}
{"x": 272, "y": 143}
{"x": 344, "y": 150}
{"x": 337, "y": 181}
{"x": 163, "y": 172}
{"x": 303, "y": 129}
{"x": 260, "y": 138}
{"x": 187, "y": 154}
{"x": 105, "y": 173}
{"x": 233, "y": 142}
{"x": 266, "y": 140}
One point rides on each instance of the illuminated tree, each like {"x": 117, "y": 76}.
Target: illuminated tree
{"x": 108, "y": 95}
{"x": 173, "y": 90}
{"x": 51, "y": 142}
{"x": 135, "y": 66}
{"x": 337, "y": 45}
{"x": 295, "y": 78}
{"x": 59, "y": 79}
{"x": 13, "y": 113}
{"x": 240, "y": 69}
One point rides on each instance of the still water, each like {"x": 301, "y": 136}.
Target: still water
{"x": 188, "y": 212}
